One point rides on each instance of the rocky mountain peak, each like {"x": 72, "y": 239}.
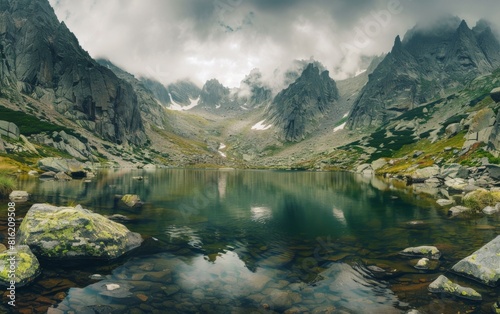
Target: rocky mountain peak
{"x": 214, "y": 95}
{"x": 43, "y": 60}
{"x": 297, "y": 109}
{"x": 429, "y": 61}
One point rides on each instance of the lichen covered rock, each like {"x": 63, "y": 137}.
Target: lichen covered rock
{"x": 444, "y": 285}
{"x": 27, "y": 267}
{"x": 74, "y": 232}
{"x": 483, "y": 265}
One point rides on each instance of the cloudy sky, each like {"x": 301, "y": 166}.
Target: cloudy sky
{"x": 226, "y": 39}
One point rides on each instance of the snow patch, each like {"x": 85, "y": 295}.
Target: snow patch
{"x": 360, "y": 72}
{"x": 221, "y": 147}
{"x": 261, "y": 126}
{"x": 178, "y": 107}
{"x": 340, "y": 127}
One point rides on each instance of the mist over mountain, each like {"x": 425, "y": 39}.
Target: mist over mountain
{"x": 426, "y": 64}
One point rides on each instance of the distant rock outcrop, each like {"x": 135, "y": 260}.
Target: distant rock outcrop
{"x": 41, "y": 58}
{"x": 297, "y": 109}
{"x": 422, "y": 66}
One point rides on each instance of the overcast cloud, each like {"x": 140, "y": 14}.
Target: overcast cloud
{"x": 226, "y": 39}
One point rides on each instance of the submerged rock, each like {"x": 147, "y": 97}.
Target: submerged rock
{"x": 444, "y": 285}
{"x": 131, "y": 200}
{"x": 27, "y": 266}
{"x": 422, "y": 251}
{"x": 74, "y": 232}
{"x": 422, "y": 263}
{"x": 483, "y": 265}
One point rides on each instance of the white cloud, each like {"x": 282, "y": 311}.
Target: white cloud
{"x": 226, "y": 39}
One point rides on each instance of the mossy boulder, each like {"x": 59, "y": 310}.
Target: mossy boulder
{"x": 27, "y": 267}
{"x": 483, "y": 265}
{"x": 444, "y": 285}
{"x": 74, "y": 233}
{"x": 481, "y": 198}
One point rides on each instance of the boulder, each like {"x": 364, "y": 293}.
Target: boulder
{"x": 422, "y": 263}
{"x": 493, "y": 171}
{"x": 453, "y": 129}
{"x": 19, "y": 196}
{"x": 417, "y": 153}
{"x": 69, "y": 166}
{"x": 481, "y": 120}
{"x": 495, "y": 94}
{"x": 27, "y": 266}
{"x": 49, "y": 175}
{"x": 444, "y": 202}
{"x": 490, "y": 210}
{"x": 457, "y": 210}
{"x": 379, "y": 163}
{"x": 61, "y": 176}
{"x": 422, "y": 251}
{"x": 365, "y": 169}
{"x": 454, "y": 171}
{"x": 131, "y": 200}
{"x": 494, "y": 141}
{"x": 444, "y": 285}
{"x": 426, "y": 172}
{"x": 457, "y": 185}
{"x": 33, "y": 173}
{"x": 149, "y": 167}
{"x": 9, "y": 129}
{"x": 482, "y": 265}
{"x": 2, "y": 146}
{"x": 74, "y": 233}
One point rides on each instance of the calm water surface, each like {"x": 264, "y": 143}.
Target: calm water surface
{"x": 259, "y": 242}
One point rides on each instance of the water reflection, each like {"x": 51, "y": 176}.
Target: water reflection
{"x": 250, "y": 240}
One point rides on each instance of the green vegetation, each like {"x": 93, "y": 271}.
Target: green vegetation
{"x": 29, "y": 124}
{"x": 432, "y": 152}
{"x": 479, "y": 199}
{"x": 7, "y": 185}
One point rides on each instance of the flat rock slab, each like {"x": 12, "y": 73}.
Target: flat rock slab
{"x": 483, "y": 265}
{"x": 457, "y": 210}
{"x": 444, "y": 285}
{"x": 422, "y": 251}
{"x": 444, "y": 202}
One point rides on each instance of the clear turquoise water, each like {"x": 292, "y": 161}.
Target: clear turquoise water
{"x": 260, "y": 241}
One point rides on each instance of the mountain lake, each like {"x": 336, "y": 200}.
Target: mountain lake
{"x": 241, "y": 241}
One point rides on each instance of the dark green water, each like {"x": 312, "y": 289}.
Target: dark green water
{"x": 258, "y": 242}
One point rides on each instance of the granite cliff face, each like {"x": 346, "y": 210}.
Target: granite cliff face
{"x": 428, "y": 63}
{"x": 297, "y": 109}
{"x": 42, "y": 59}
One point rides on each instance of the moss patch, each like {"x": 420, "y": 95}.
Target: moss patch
{"x": 479, "y": 199}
